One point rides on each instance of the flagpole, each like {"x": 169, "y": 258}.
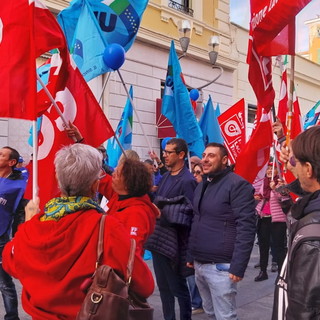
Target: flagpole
{"x": 34, "y": 161}
{"x": 275, "y": 157}
{"x": 54, "y": 103}
{"x": 134, "y": 108}
{"x": 104, "y": 87}
{"x": 290, "y": 102}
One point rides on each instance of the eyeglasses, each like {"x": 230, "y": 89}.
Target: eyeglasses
{"x": 197, "y": 172}
{"x": 166, "y": 152}
{"x": 293, "y": 161}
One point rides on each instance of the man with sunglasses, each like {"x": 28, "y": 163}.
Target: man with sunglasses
{"x": 168, "y": 243}
{"x": 298, "y": 287}
{"x": 222, "y": 233}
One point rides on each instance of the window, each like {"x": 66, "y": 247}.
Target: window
{"x": 252, "y": 110}
{"x": 181, "y": 5}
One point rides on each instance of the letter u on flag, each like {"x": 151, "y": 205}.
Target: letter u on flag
{"x": 89, "y": 25}
{"x": 176, "y": 106}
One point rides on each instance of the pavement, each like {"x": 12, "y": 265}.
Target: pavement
{"x": 254, "y": 299}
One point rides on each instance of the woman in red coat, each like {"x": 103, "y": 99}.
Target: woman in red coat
{"x": 54, "y": 252}
{"x": 129, "y": 201}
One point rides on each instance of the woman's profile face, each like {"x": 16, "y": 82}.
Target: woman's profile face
{"x": 197, "y": 173}
{"x": 118, "y": 181}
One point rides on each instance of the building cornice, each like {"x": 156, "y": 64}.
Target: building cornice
{"x": 164, "y": 41}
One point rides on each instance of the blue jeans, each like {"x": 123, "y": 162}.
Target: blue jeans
{"x": 7, "y": 288}
{"x": 171, "y": 285}
{"x": 196, "y": 301}
{"x": 217, "y": 291}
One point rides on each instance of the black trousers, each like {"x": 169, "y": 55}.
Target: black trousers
{"x": 277, "y": 233}
{"x": 171, "y": 285}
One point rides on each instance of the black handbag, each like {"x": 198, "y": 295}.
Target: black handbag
{"x": 109, "y": 296}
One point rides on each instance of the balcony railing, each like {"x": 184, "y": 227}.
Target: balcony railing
{"x": 180, "y": 7}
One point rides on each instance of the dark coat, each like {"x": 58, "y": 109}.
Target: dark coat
{"x": 170, "y": 237}
{"x": 303, "y": 270}
{"x": 223, "y": 227}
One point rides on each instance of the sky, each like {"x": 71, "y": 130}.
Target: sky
{"x": 240, "y": 14}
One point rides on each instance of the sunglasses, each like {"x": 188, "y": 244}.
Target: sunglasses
{"x": 197, "y": 172}
{"x": 293, "y": 161}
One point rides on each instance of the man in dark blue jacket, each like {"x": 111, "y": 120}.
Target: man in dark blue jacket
{"x": 222, "y": 233}
{"x": 168, "y": 243}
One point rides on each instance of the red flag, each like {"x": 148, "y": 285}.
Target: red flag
{"x": 269, "y": 18}
{"x": 296, "y": 126}
{"x": 256, "y": 152}
{"x": 260, "y": 76}
{"x": 78, "y": 105}
{"x": 232, "y": 124}
{"x": 27, "y": 29}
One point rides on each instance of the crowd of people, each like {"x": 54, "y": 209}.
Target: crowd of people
{"x": 196, "y": 216}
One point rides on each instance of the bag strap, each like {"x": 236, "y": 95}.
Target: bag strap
{"x": 100, "y": 240}
{"x": 100, "y": 250}
{"x": 131, "y": 260}
{"x": 307, "y": 232}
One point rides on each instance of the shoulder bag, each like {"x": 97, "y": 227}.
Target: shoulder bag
{"x": 109, "y": 297}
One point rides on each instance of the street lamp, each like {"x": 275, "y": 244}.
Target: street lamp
{"x": 185, "y": 29}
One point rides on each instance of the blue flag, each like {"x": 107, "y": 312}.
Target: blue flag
{"x": 217, "y": 110}
{"x": 11, "y": 192}
{"x": 123, "y": 132}
{"x": 39, "y": 122}
{"x": 90, "y": 25}
{"x": 311, "y": 118}
{"x": 209, "y": 125}
{"x": 176, "y": 106}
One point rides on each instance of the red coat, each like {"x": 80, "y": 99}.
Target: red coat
{"x": 138, "y": 214}
{"x": 52, "y": 259}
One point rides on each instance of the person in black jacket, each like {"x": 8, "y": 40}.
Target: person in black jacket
{"x": 168, "y": 243}
{"x": 222, "y": 233}
{"x": 297, "y": 294}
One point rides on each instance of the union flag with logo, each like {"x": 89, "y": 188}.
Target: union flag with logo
{"x": 79, "y": 106}
{"x": 232, "y": 124}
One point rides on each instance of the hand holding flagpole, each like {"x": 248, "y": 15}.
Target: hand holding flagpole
{"x": 54, "y": 104}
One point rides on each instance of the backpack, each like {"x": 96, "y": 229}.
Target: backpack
{"x": 305, "y": 233}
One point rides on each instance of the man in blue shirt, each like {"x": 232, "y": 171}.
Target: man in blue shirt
{"x": 12, "y": 186}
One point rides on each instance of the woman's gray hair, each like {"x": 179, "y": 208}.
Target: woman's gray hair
{"x": 77, "y": 166}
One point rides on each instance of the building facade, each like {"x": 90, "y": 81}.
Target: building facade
{"x": 146, "y": 66}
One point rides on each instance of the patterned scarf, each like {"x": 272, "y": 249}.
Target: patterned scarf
{"x": 57, "y": 208}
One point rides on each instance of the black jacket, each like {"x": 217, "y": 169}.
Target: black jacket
{"x": 303, "y": 276}
{"x": 169, "y": 237}
{"x": 223, "y": 227}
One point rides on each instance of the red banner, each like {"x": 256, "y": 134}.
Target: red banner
{"x": 268, "y": 20}
{"x": 28, "y": 30}
{"x": 79, "y": 106}
{"x": 260, "y": 76}
{"x": 232, "y": 124}
{"x": 256, "y": 152}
